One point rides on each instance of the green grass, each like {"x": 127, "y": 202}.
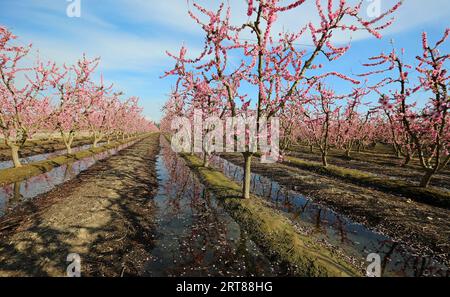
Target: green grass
{"x": 272, "y": 231}
{"x": 12, "y": 175}
{"x": 431, "y": 196}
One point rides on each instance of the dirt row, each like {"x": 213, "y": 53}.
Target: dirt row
{"x": 105, "y": 215}
{"x": 378, "y": 164}
{"x": 425, "y": 228}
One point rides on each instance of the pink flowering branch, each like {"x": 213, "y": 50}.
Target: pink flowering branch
{"x": 425, "y": 130}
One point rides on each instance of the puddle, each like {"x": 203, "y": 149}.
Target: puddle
{"x": 19, "y": 192}
{"x": 194, "y": 235}
{"x": 354, "y": 239}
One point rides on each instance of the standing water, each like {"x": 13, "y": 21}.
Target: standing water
{"x": 354, "y": 239}
{"x": 14, "y": 194}
{"x": 194, "y": 235}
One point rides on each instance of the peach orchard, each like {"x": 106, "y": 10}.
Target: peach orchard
{"x": 65, "y": 99}
{"x": 289, "y": 82}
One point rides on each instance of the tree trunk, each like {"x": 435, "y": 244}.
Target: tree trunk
{"x": 17, "y": 195}
{"x": 397, "y": 150}
{"x": 347, "y": 153}
{"x": 68, "y": 148}
{"x": 15, "y": 155}
{"x": 68, "y": 142}
{"x": 324, "y": 160}
{"x": 359, "y": 147}
{"x": 425, "y": 182}
{"x": 247, "y": 175}
{"x": 205, "y": 160}
{"x": 97, "y": 136}
{"x": 407, "y": 159}
{"x": 311, "y": 148}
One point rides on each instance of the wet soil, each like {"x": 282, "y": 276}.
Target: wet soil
{"x": 105, "y": 215}
{"x": 143, "y": 212}
{"x": 194, "y": 234}
{"x": 383, "y": 165}
{"x": 424, "y": 228}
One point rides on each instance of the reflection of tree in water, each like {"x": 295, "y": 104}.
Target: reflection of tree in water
{"x": 17, "y": 197}
{"x": 68, "y": 172}
{"x": 340, "y": 225}
{"x": 300, "y": 210}
{"x": 212, "y": 243}
{"x": 17, "y": 193}
{"x": 206, "y": 243}
{"x": 288, "y": 204}
{"x": 387, "y": 256}
{"x": 396, "y": 260}
{"x": 11, "y": 194}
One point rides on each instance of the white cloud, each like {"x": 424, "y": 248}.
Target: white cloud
{"x": 117, "y": 51}
{"x": 132, "y": 36}
{"x": 125, "y": 50}
{"x": 173, "y": 14}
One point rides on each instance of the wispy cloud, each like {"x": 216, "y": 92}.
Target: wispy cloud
{"x": 131, "y": 36}
{"x": 172, "y": 14}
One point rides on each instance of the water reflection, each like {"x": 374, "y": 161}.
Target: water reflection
{"x": 195, "y": 236}
{"x": 14, "y": 194}
{"x": 354, "y": 239}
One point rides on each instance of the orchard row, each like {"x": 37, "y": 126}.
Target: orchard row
{"x": 65, "y": 100}
{"x": 276, "y": 77}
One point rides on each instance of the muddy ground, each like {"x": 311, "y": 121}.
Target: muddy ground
{"x": 105, "y": 215}
{"x": 424, "y": 228}
{"x": 380, "y": 164}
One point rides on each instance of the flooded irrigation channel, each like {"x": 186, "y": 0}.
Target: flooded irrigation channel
{"x": 19, "y": 192}
{"x": 352, "y": 238}
{"x": 195, "y": 236}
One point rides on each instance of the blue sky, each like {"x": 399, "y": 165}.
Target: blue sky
{"x": 131, "y": 36}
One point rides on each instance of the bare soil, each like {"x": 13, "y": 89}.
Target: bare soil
{"x": 424, "y": 228}
{"x": 105, "y": 215}
{"x": 380, "y": 164}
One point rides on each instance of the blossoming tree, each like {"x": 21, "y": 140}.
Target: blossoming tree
{"x": 71, "y": 85}
{"x": 23, "y": 108}
{"x": 427, "y": 127}
{"x": 275, "y": 68}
